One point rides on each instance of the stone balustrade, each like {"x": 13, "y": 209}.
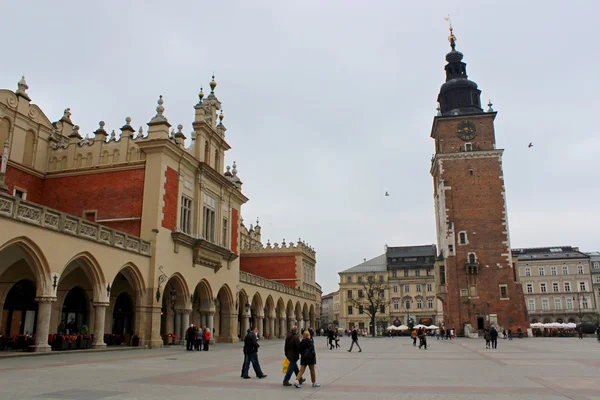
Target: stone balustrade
{"x": 35, "y": 214}
{"x": 251, "y": 279}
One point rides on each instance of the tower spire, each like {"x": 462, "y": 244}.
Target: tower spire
{"x": 451, "y": 38}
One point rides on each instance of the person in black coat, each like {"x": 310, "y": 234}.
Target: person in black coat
{"x": 251, "y": 353}
{"x": 308, "y": 358}
{"x": 190, "y": 337}
{"x": 354, "y": 341}
{"x": 494, "y": 337}
{"x": 292, "y": 353}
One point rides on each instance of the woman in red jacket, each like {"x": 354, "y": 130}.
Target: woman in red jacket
{"x": 206, "y": 338}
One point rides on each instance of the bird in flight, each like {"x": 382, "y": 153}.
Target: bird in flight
{"x": 387, "y": 194}
{"x": 530, "y": 145}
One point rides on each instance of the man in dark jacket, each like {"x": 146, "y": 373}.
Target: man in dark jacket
{"x": 190, "y": 337}
{"x": 354, "y": 340}
{"x": 292, "y": 353}
{"x": 494, "y": 337}
{"x": 251, "y": 352}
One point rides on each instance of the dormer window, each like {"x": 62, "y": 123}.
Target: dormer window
{"x": 468, "y": 147}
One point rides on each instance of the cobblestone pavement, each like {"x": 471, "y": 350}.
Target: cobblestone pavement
{"x": 561, "y": 368}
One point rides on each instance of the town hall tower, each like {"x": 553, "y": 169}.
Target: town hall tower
{"x": 470, "y": 203}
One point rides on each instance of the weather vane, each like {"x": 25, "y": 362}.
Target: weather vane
{"x": 451, "y": 38}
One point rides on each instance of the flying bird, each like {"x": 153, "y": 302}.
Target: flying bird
{"x": 530, "y": 145}
{"x": 387, "y": 194}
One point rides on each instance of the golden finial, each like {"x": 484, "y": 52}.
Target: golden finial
{"x": 213, "y": 84}
{"x": 221, "y": 116}
{"x": 201, "y": 94}
{"x": 451, "y": 38}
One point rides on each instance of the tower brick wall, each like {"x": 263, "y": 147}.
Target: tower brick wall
{"x": 278, "y": 268}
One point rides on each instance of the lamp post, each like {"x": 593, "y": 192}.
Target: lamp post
{"x": 407, "y": 304}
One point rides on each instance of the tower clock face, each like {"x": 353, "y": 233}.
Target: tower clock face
{"x": 466, "y": 130}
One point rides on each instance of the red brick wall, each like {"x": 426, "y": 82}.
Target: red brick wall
{"x": 116, "y": 194}
{"x": 475, "y": 204}
{"x": 170, "y": 199}
{"x": 235, "y": 234}
{"x": 33, "y": 184}
{"x": 272, "y": 267}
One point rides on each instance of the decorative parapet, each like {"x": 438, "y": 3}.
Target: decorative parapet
{"x": 254, "y": 247}
{"x": 272, "y": 285}
{"x": 35, "y": 214}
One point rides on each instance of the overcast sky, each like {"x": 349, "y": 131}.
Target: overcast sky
{"x": 329, "y": 104}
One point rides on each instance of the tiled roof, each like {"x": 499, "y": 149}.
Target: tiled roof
{"x": 412, "y": 251}
{"x": 377, "y": 264}
{"x": 548, "y": 253}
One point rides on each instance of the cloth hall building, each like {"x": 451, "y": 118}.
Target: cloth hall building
{"x": 127, "y": 238}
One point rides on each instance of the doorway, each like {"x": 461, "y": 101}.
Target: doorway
{"x": 480, "y": 323}
{"x": 123, "y": 315}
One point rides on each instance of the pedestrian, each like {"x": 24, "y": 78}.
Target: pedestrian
{"x": 442, "y": 333}
{"x": 598, "y": 333}
{"x": 413, "y": 335}
{"x": 494, "y": 337}
{"x": 292, "y": 353}
{"x": 308, "y": 358}
{"x": 580, "y": 330}
{"x": 206, "y": 338}
{"x": 504, "y": 335}
{"x": 245, "y": 354}
{"x": 488, "y": 337}
{"x": 190, "y": 337}
{"x": 198, "y": 341}
{"x": 510, "y": 334}
{"x": 422, "y": 339}
{"x": 251, "y": 354}
{"x": 354, "y": 340}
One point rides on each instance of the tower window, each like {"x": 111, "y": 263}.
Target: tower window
{"x": 471, "y": 172}
{"x": 468, "y": 147}
{"x": 451, "y": 248}
{"x": 472, "y": 258}
{"x": 462, "y": 237}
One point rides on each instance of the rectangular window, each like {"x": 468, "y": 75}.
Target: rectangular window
{"x": 382, "y": 308}
{"x": 429, "y": 303}
{"x": 417, "y": 272}
{"x": 90, "y": 216}
{"x": 545, "y": 305}
{"x": 598, "y": 279}
{"x": 405, "y": 273}
{"x": 225, "y": 235}
{"x": 529, "y": 288}
{"x": 209, "y": 216}
{"x": 596, "y": 264}
{"x": 407, "y": 304}
{"x": 349, "y": 279}
{"x": 21, "y": 194}
{"x": 565, "y": 270}
{"x": 451, "y": 248}
{"x": 503, "y": 292}
{"x": 382, "y": 294}
{"x": 419, "y": 304}
{"x": 395, "y": 288}
{"x": 462, "y": 237}
{"x": 567, "y": 286}
{"x": 557, "y": 304}
{"x": 360, "y": 294}
{"x": 185, "y": 217}
{"x": 349, "y": 294}
{"x": 349, "y": 310}
{"x": 406, "y": 288}
{"x": 569, "y": 304}
{"x": 541, "y": 271}
{"x": 429, "y": 287}
{"x": 464, "y": 293}
{"x": 396, "y": 305}
{"x": 360, "y": 279}
{"x": 394, "y": 274}
{"x": 555, "y": 287}
{"x": 527, "y": 271}
{"x": 580, "y": 269}
{"x": 543, "y": 288}
{"x": 584, "y": 303}
{"x": 473, "y": 291}
{"x": 531, "y": 305}
{"x": 360, "y": 309}
{"x": 428, "y": 271}
{"x": 582, "y": 287}
{"x": 553, "y": 270}
{"x": 418, "y": 288}
{"x": 380, "y": 278}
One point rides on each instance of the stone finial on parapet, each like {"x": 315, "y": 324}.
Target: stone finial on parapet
{"x": 158, "y": 127}
{"x": 100, "y": 133}
{"x": 179, "y": 136}
{"x": 22, "y": 89}
{"x": 127, "y": 130}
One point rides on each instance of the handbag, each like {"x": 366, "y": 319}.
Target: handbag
{"x": 285, "y": 366}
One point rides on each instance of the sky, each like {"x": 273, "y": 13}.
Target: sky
{"x": 329, "y": 104}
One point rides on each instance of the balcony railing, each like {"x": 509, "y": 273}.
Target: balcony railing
{"x": 44, "y": 217}
{"x": 279, "y": 287}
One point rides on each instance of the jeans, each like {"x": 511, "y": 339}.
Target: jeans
{"x": 292, "y": 368}
{"x": 252, "y": 358}
{"x": 357, "y": 345}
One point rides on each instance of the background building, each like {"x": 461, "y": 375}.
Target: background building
{"x": 327, "y": 310}
{"x": 411, "y": 279}
{"x": 134, "y": 234}
{"x": 595, "y": 267}
{"x": 557, "y": 283}
{"x": 352, "y": 287}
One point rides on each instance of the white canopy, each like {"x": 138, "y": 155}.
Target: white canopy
{"x": 432, "y": 327}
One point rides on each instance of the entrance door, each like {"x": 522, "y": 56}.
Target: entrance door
{"x": 480, "y": 323}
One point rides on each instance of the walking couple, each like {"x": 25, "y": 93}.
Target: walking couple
{"x": 305, "y": 351}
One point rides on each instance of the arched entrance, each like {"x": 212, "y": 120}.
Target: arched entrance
{"x": 74, "y": 313}
{"x": 243, "y": 314}
{"x": 122, "y": 323}
{"x": 175, "y": 310}
{"x": 225, "y": 316}
{"x": 202, "y": 301}
{"x": 20, "y": 308}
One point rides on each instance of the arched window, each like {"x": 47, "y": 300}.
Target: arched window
{"x": 52, "y": 164}
{"x": 472, "y": 258}
{"x": 132, "y": 154}
{"x": 115, "y": 156}
{"x": 78, "y": 160}
{"x": 28, "y": 157}
{"x": 63, "y": 163}
{"x": 88, "y": 160}
{"x": 104, "y": 158}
